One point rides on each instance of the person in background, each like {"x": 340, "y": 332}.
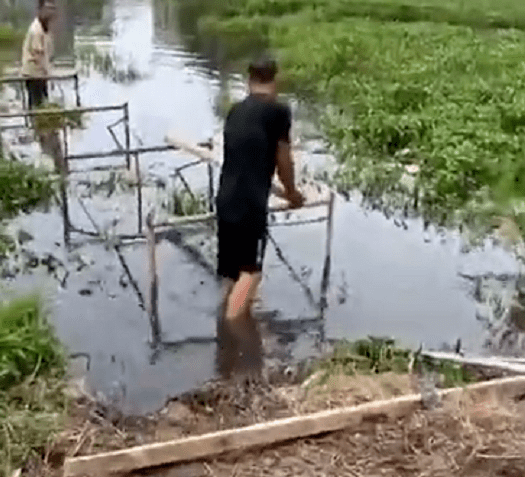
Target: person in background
{"x": 36, "y": 54}
{"x": 256, "y": 144}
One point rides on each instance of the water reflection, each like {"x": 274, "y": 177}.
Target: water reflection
{"x": 91, "y": 58}
{"x": 220, "y": 52}
{"x": 88, "y": 11}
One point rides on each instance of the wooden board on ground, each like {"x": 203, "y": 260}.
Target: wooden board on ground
{"x": 489, "y": 362}
{"x": 193, "y": 448}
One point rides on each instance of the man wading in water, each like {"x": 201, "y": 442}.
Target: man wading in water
{"x": 256, "y": 143}
{"x": 36, "y": 54}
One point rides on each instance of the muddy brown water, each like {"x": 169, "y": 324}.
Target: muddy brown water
{"x": 386, "y": 279}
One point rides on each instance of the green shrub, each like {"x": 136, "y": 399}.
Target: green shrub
{"x": 22, "y": 187}
{"x": 28, "y": 344}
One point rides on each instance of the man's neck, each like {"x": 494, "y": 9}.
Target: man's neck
{"x": 44, "y": 24}
{"x": 263, "y": 91}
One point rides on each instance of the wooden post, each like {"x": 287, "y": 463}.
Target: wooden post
{"x": 139, "y": 192}
{"x": 127, "y": 134}
{"x": 210, "y": 187}
{"x": 65, "y": 209}
{"x": 66, "y": 148}
{"x": 154, "y": 286}
{"x": 328, "y": 256}
{"x": 77, "y": 93}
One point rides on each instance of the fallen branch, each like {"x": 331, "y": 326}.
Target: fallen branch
{"x": 207, "y": 445}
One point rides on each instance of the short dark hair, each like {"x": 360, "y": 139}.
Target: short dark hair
{"x": 41, "y": 3}
{"x": 263, "y": 69}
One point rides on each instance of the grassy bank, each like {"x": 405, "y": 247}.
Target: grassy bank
{"x": 32, "y": 399}
{"x": 375, "y": 356}
{"x": 32, "y": 361}
{"x": 439, "y": 93}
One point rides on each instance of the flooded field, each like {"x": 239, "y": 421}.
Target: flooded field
{"x": 388, "y": 277}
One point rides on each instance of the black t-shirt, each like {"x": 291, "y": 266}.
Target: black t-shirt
{"x": 251, "y": 133}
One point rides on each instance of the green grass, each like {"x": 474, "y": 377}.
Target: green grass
{"x": 27, "y": 342}
{"x": 474, "y": 13}
{"x": 32, "y": 367}
{"x": 376, "y": 355}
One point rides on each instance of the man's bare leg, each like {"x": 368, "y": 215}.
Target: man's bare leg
{"x": 227, "y": 287}
{"x": 242, "y": 295}
{"x": 226, "y": 346}
{"x": 239, "y": 321}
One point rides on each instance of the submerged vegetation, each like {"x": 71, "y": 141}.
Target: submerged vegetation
{"x": 183, "y": 202}
{"x": 57, "y": 121}
{"x": 435, "y": 86}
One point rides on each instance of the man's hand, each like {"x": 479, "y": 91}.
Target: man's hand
{"x": 295, "y": 198}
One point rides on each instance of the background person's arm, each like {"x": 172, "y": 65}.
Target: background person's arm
{"x": 37, "y": 44}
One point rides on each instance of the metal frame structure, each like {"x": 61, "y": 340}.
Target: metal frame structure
{"x": 22, "y": 79}
{"x": 153, "y": 230}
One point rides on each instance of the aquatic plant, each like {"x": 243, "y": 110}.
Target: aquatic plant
{"x": 425, "y": 90}
{"x": 107, "y": 64}
{"x": 57, "y": 121}
{"x": 22, "y": 187}
{"x": 183, "y": 203}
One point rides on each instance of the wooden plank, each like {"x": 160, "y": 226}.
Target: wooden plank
{"x": 313, "y": 191}
{"x": 200, "y": 152}
{"x": 13, "y": 75}
{"x": 153, "y": 298}
{"x": 190, "y": 219}
{"x": 491, "y": 362}
{"x": 198, "y": 447}
{"x": 41, "y": 112}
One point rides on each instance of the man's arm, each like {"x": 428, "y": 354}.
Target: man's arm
{"x": 286, "y": 174}
{"x": 36, "y": 44}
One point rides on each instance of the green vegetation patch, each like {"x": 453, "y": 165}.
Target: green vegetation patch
{"x": 27, "y": 341}
{"x": 32, "y": 398}
{"x": 183, "y": 203}
{"x": 57, "y": 121}
{"x": 22, "y": 187}
{"x": 447, "y": 100}
{"x": 381, "y": 355}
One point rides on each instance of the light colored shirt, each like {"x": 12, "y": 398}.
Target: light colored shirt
{"x": 36, "y": 51}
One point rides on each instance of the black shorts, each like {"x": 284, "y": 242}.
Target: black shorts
{"x": 36, "y": 91}
{"x": 241, "y": 249}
